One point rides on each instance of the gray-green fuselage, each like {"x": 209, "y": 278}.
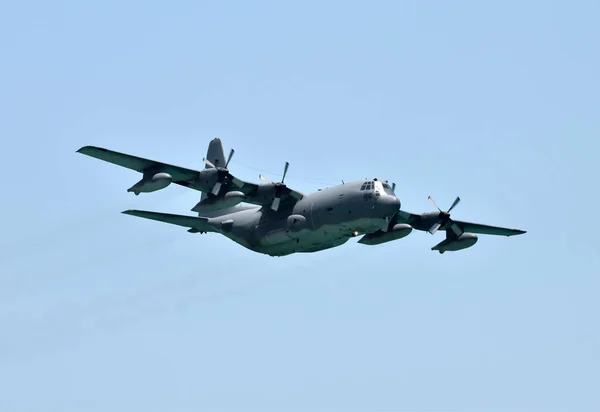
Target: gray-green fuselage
{"x": 320, "y": 220}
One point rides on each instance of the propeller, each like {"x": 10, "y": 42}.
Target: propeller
{"x": 279, "y": 186}
{"x": 394, "y": 187}
{"x": 222, "y": 172}
{"x": 443, "y": 216}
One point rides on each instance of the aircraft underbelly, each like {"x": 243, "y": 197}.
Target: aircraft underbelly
{"x": 277, "y": 237}
{"x": 282, "y": 243}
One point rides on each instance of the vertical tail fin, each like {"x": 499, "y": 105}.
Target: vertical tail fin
{"x": 215, "y": 155}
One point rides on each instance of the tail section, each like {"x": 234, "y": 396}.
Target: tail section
{"x": 196, "y": 224}
{"x": 216, "y": 156}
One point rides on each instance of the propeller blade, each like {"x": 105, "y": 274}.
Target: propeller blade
{"x": 275, "y": 204}
{"x": 263, "y": 178}
{"x": 285, "y": 169}
{"x": 386, "y": 226}
{"x": 456, "y": 229}
{"x": 434, "y": 228}
{"x": 229, "y": 158}
{"x": 433, "y": 203}
{"x": 208, "y": 163}
{"x": 454, "y": 204}
{"x": 216, "y": 188}
{"x": 393, "y": 187}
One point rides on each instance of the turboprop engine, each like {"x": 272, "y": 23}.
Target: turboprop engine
{"x": 151, "y": 183}
{"x": 457, "y": 243}
{"x": 396, "y": 232}
{"x": 213, "y": 203}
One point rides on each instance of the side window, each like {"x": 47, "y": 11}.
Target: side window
{"x": 368, "y": 188}
{"x": 363, "y": 187}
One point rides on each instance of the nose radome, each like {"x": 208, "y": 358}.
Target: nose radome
{"x": 391, "y": 204}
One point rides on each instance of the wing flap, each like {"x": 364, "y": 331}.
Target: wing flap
{"x": 200, "y": 224}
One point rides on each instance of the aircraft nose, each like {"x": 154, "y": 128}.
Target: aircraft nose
{"x": 388, "y": 204}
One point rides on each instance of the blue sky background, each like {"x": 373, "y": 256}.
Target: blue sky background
{"x": 497, "y": 102}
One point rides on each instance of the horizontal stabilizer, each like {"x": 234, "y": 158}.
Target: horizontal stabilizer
{"x": 200, "y": 224}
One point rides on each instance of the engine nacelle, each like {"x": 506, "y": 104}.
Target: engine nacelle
{"x": 451, "y": 245}
{"x": 152, "y": 183}
{"x": 295, "y": 223}
{"x": 213, "y": 203}
{"x": 206, "y": 177}
{"x": 396, "y": 232}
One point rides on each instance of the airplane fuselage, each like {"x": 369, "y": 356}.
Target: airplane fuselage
{"x": 320, "y": 220}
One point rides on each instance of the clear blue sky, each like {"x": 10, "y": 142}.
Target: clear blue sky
{"x": 497, "y": 102}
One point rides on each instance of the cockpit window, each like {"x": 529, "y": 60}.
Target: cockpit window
{"x": 367, "y": 186}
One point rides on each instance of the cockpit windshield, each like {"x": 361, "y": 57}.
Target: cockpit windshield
{"x": 370, "y": 185}
{"x": 377, "y": 185}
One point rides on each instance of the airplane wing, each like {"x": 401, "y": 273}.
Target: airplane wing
{"x": 486, "y": 229}
{"x": 258, "y": 194}
{"x": 265, "y": 194}
{"x": 196, "y": 224}
{"x": 426, "y": 220}
{"x": 181, "y": 175}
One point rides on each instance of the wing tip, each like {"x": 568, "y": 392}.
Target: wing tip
{"x": 88, "y": 149}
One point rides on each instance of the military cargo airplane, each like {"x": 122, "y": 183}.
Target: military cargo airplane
{"x": 277, "y": 220}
